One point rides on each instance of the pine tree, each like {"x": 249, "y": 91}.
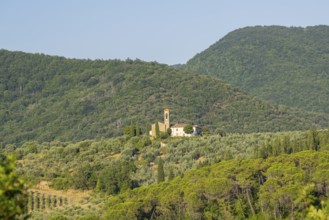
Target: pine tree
{"x": 161, "y": 174}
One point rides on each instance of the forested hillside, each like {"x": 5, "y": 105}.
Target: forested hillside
{"x": 289, "y": 66}
{"x": 283, "y": 187}
{"x": 46, "y": 98}
{"x": 131, "y": 168}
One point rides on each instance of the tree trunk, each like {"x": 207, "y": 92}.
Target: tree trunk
{"x": 292, "y": 210}
{"x": 261, "y": 207}
{"x": 249, "y": 202}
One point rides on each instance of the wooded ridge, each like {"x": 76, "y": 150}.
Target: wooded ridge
{"x": 288, "y": 66}
{"x": 47, "y": 98}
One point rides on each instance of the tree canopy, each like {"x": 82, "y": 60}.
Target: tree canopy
{"x": 188, "y": 129}
{"x": 275, "y": 188}
{"x": 12, "y": 191}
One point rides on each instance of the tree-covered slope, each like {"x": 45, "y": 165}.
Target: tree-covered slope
{"x": 45, "y": 98}
{"x": 284, "y": 187}
{"x": 117, "y": 165}
{"x": 289, "y": 66}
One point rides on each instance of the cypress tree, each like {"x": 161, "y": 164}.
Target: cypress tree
{"x": 49, "y": 201}
{"x": 138, "y": 130}
{"x": 169, "y": 131}
{"x": 157, "y": 130}
{"x": 32, "y": 201}
{"x": 171, "y": 174}
{"x": 147, "y": 129}
{"x": 161, "y": 174}
{"x": 43, "y": 201}
{"x": 38, "y": 200}
{"x": 132, "y": 130}
{"x": 313, "y": 139}
{"x": 60, "y": 201}
{"x": 54, "y": 201}
{"x": 126, "y": 130}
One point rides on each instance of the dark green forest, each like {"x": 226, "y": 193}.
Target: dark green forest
{"x": 289, "y": 66}
{"x": 285, "y": 187}
{"x": 45, "y": 98}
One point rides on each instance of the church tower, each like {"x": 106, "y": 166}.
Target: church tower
{"x": 166, "y": 118}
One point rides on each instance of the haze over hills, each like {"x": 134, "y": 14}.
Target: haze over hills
{"x": 47, "y": 98}
{"x": 289, "y": 66}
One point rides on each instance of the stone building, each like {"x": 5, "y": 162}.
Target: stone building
{"x": 177, "y": 130}
{"x": 163, "y": 126}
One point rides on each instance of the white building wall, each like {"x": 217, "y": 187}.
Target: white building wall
{"x": 179, "y": 132}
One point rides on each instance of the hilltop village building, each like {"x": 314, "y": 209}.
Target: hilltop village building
{"x": 177, "y": 130}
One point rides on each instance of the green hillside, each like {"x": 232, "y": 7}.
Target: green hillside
{"x": 289, "y": 66}
{"x": 63, "y": 163}
{"x": 46, "y": 98}
{"x": 284, "y": 187}
{"x": 129, "y": 167}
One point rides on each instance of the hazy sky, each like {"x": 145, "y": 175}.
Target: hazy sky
{"x": 168, "y": 31}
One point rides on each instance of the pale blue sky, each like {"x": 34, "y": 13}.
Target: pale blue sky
{"x": 168, "y": 31}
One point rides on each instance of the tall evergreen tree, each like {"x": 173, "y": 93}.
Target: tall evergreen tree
{"x": 169, "y": 131}
{"x": 314, "y": 141}
{"x": 157, "y": 130}
{"x": 161, "y": 174}
{"x": 171, "y": 174}
{"x": 138, "y": 130}
{"x": 147, "y": 129}
{"x": 126, "y": 130}
{"x": 132, "y": 130}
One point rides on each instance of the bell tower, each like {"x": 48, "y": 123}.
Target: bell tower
{"x": 166, "y": 117}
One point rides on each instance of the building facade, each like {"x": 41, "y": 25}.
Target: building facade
{"x": 162, "y": 126}
{"x": 177, "y": 130}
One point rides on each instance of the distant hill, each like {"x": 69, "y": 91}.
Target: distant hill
{"x": 289, "y": 66}
{"x": 46, "y": 98}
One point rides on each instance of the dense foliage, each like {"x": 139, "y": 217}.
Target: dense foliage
{"x": 46, "y": 98}
{"x": 285, "y": 187}
{"x": 188, "y": 129}
{"x": 116, "y": 165}
{"x": 286, "y": 65}
{"x": 12, "y": 191}
{"x": 126, "y": 162}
